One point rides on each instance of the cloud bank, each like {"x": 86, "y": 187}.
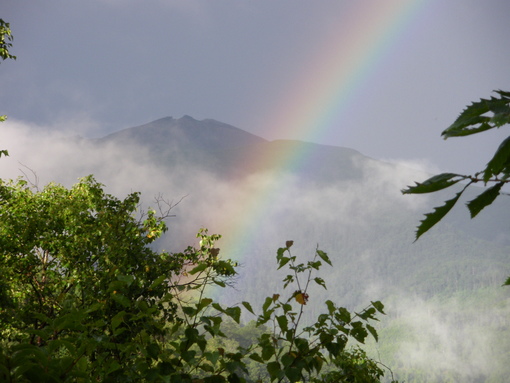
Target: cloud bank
{"x": 339, "y": 216}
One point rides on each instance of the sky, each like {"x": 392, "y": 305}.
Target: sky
{"x": 384, "y": 77}
{"x": 381, "y": 77}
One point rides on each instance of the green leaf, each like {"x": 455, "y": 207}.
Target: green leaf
{"x": 320, "y": 282}
{"x": 94, "y": 307}
{"x": 302, "y": 345}
{"x": 460, "y": 131}
{"x": 248, "y": 307}
{"x": 159, "y": 280}
{"x": 314, "y": 265}
{"x": 275, "y": 372}
{"x": 282, "y": 322}
{"x": 335, "y": 348}
{"x": 476, "y": 205}
{"x": 507, "y": 282}
{"x": 166, "y": 368}
{"x": 199, "y": 268}
{"x": 267, "y": 351}
{"x": 324, "y": 256}
{"x": 127, "y": 279}
{"x": 234, "y": 378}
{"x": 121, "y": 299}
{"x": 359, "y": 332}
{"x": 501, "y": 116}
{"x": 282, "y": 262}
{"x": 281, "y": 259}
{"x": 256, "y": 357}
{"x": 326, "y": 338}
{"x": 344, "y": 315}
{"x": 287, "y": 360}
{"x": 191, "y": 333}
{"x": 433, "y": 184}
{"x": 203, "y": 304}
{"x": 367, "y": 314}
{"x": 118, "y": 319}
{"x": 331, "y": 306}
{"x": 373, "y": 331}
{"x": 437, "y": 215}
{"x": 189, "y": 311}
{"x": 378, "y": 306}
{"x": 234, "y": 313}
{"x": 266, "y": 304}
{"x": 473, "y": 120}
{"x": 153, "y": 350}
{"x": 294, "y": 374}
{"x": 500, "y": 162}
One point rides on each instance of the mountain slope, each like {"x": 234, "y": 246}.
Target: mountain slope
{"x": 230, "y": 152}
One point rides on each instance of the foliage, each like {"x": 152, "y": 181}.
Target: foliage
{"x": 83, "y": 294}
{"x": 477, "y": 117}
{"x": 296, "y": 354}
{"x": 84, "y": 297}
{"x": 5, "y": 44}
{"x": 5, "y": 41}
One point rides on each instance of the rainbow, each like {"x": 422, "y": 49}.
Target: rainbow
{"x": 321, "y": 93}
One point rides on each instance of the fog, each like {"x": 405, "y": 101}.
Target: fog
{"x": 257, "y": 214}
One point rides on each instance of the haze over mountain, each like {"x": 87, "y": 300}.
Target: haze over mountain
{"x": 442, "y": 293}
{"x": 229, "y": 152}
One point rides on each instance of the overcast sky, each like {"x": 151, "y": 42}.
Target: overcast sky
{"x": 96, "y": 66}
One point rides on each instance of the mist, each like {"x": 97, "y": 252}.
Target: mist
{"x": 342, "y": 218}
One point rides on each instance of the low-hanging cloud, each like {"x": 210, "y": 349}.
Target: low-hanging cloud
{"x": 339, "y": 215}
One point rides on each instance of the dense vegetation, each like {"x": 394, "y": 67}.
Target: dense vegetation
{"x": 85, "y": 298}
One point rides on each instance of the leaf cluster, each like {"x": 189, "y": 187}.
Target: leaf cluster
{"x": 295, "y": 353}
{"x": 5, "y": 41}
{"x": 478, "y": 117}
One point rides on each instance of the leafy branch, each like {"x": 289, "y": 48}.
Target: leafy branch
{"x": 477, "y": 117}
{"x": 293, "y": 355}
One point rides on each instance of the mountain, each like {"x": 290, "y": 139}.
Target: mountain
{"x": 230, "y": 152}
{"x": 209, "y": 144}
{"x": 259, "y": 193}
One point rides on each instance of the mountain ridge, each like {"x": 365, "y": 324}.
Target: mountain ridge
{"x": 228, "y": 151}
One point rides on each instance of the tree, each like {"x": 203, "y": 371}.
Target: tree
{"x": 476, "y": 118}
{"x": 83, "y": 294}
{"x": 85, "y": 297}
{"x": 5, "y": 45}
